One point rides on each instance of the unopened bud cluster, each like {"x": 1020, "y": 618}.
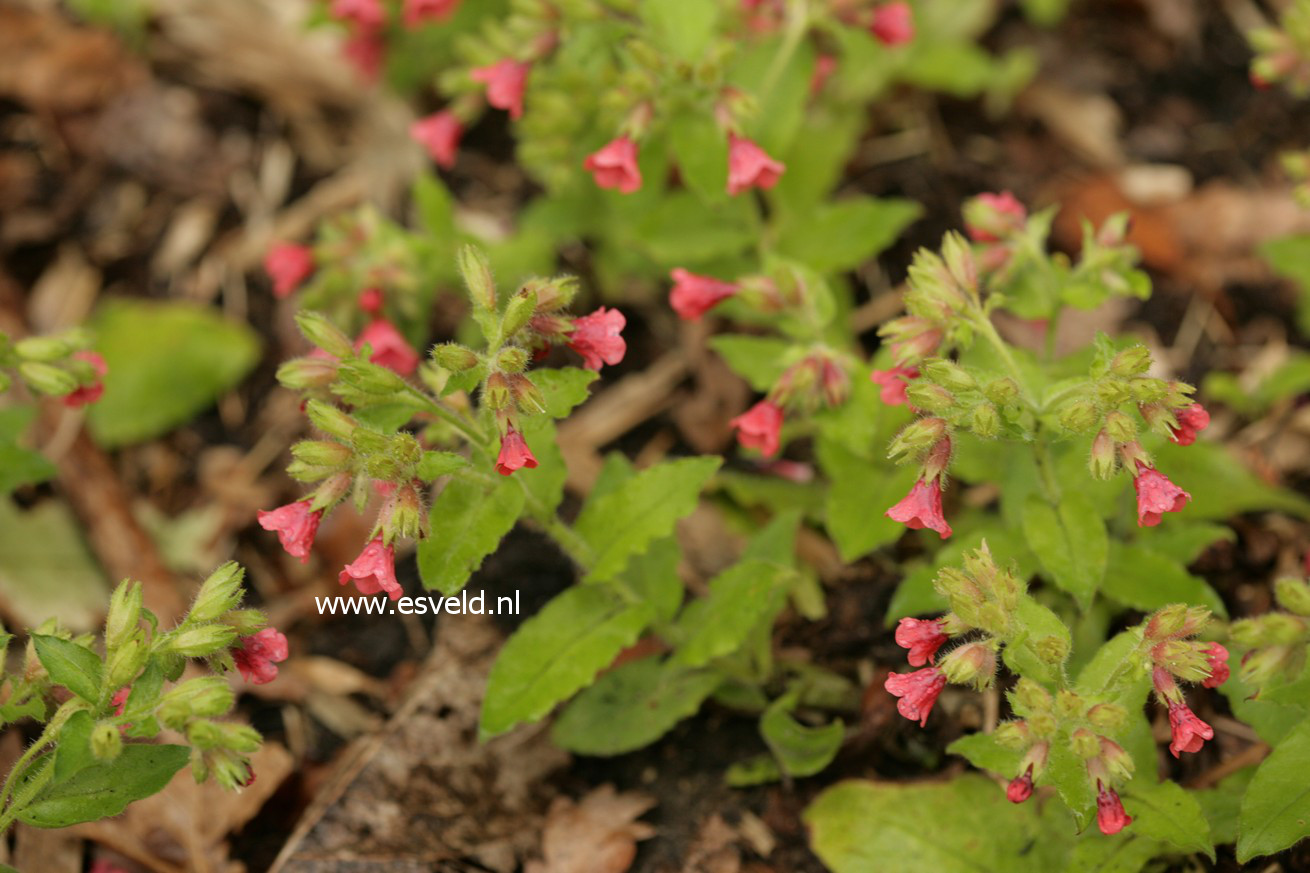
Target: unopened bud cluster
{"x": 60, "y": 365}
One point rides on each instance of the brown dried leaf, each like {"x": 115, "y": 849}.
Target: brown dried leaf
{"x": 598, "y": 835}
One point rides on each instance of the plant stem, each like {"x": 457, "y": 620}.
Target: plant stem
{"x": 52, "y": 729}
{"x": 798, "y": 18}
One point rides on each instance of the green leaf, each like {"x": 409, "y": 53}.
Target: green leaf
{"x": 859, "y": 494}
{"x": 19, "y": 466}
{"x": 467, "y": 522}
{"x": 1038, "y": 623}
{"x": 167, "y": 362}
{"x": 1142, "y": 579}
{"x": 1221, "y": 485}
{"x": 1290, "y": 257}
{"x": 563, "y": 388}
{"x": 1071, "y": 543}
{"x": 960, "y": 826}
{"x": 545, "y": 482}
{"x": 740, "y": 598}
{"x": 1271, "y": 720}
{"x": 701, "y": 151}
{"x": 1125, "y": 852}
{"x": 434, "y": 465}
{"x": 632, "y": 706}
{"x": 1166, "y": 812}
{"x": 802, "y": 750}
{"x": 557, "y": 652}
{"x": 682, "y": 27}
{"x": 73, "y": 753}
{"x": 1184, "y": 543}
{"x": 643, "y": 509}
{"x": 1276, "y": 809}
{"x": 836, "y": 237}
{"x": 1068, "y": 773}
{"x": 435, "y": 206}
{"x": 76, "y": 668}
{"x": 755, "y": 770}
{"x": 106, "y": 789}
{"x": 760, "y": 360}
{"x": 654, "y": 577}
{"x": 1223, "y": 804}
{"x": 982, "y": 751}
{"x": 41, "y": 544}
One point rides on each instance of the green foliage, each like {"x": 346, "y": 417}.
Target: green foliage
{"x": 102, "y": 790}
{"x": 19, "y": 465}
{"x": 1276, "y": 805}
{"x": 740, "y": 599}
{"x": 467, "y": 522}
{"x": 1071, "y": 543}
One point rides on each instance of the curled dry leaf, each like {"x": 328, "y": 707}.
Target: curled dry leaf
{"x": 597, "y": 835}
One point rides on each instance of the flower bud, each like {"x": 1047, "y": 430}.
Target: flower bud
{"x": 1013, "y": 734}
{"x": 454, "y": 357}
{"x": 126, "y": 663}
{"x": 1112, "y": 392}
{"x": 1002, "y": 392}
{"x": 1103, "y": 462}
{"x": 1043, "y": 724}
{"x": 47, "y": 379}
{"x": 1148, "y": 390}
{"x": 316, "y": 328}
{"x": 1116, "y": 760}
{"x": 948, "y": 374}
{"x": 1068, "y": 704}
{"x": 405, "y": 519}
{"x": 1132, "y": 361}
{"x": 45, "y": 349}
{"x": 984, "y": 421}
{"x": 512, "y": 359}
{"x": 333, "y": 490}
{"x": 124, "y": 613}
{"x": 229, "y": 769}
{"x": 201, "y": 642}
{"x": 1273, "y": 628}
{"x": 1079, "y": 416}
{"x": 1261, "y": 666}
{"x": 1109, "y": 717}
{"x": 475, "y": 269}
{"x": 926, "y": 395}
{"x": 1293, "y": 595}
{"x": 1085, "y": 744}
{"x": 362, "y": 380}
{"x": 972, "y": 663}
{"x": 1030, "y": 698}
{"x": 917, "y": 437}
{"x": 518, "y": 312}
{"x": 495, "y": 393}
{"x": 1120, "y": 427}
{"x": 527, "y": 397}
{"x": 307, "y": 374}
{"x": 960, "y": 262}
{"x": 330, "y": 419}
{"x": 1167, "y": 623}
{"x": 1051, "y": 649}
{"x": 246, "y": 622}
{"x": 552, "y": 294}
{"x": 106, "y": 742}
{"x": 218, "y": 594}
{"x": 204, "y": 697}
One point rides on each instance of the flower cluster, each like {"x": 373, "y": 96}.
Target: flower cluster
{"x": 366, "y": 22}
{"x": 1282, "y": 52}
{"x": 57, "y": 366}
{"x": 1173, "y": 658}
{"x": 1275, "y": 644}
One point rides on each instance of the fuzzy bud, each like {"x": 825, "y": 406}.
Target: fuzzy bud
{"x": 527, "y": 396}
{"x": 106, "y": 742}
{"x": 1103, "y": 461}
{"x": 1293, "y": 595}
{"x": 1132, "y": 361}
{"x": 1120, "y": 427}
{"x": 475, "y": 269}
{"x": 246, "y": 622}
{"x": 1013, "y": 734}
{"x": 1002, "y": 392}
{"x": 325, "y": 454}
{"x": 323, "y": 333}
{"x": 126, "y": 662}
{"x": 518, "y": 312}
{"x": 220, "y": 593}
{"x": 948, "y": 374}
{"x": 307, "y": 373}
{"x": 205, "y": 697}
{"x": 933, "y": 398}
{"x": 1079, "y": 416}
{"x": 47, "y": 379}
{"x": 330, "y": 419}
{"x": 1270, "y": 629}
{"x": 512, "y": 359}
{"x": 970, "y": 664}
{"x": 45, "y": 349}
{"x": 124, "y": 613}
{"x": 985, "y": 421}
{"x": 1029, "y": 698}
{"x": 454, "y": 357}
{"x": 496, "y": 392}
{"x": 1085, "y": 744}
{"x": 201, "y": 642}
{"x": 1108, "y": 717}
{"x": 1068, "y": 704}
{"x": 916, "y": 437}
{"x": 1112, "y": 392}
{"x": 1052, "y": 649}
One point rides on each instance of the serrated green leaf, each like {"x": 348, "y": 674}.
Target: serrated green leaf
{"x": 1124, "y": 852}
{"x": 643, "y": 509}
{"x": 74, "y": 750}
{"x": 1142, "y": 579}
{"x": 982, "y": 751}
{"x": 760, "y": 360}
{"x": 70, "y": 665}
{"x": 801, "y": 750}
{"x": 19, "y": 466}
{"x": 1038, "y": 622}
{"x": 545, "y": 482}
{"x": 1070, "y": 542}
{"x": 739, "y": 599}
{"x": 1165, "y": 811}
{"x": 1184, "y": 543}
{"x": 859, "y": 494}
{"x": 631, "y": 706}
{"x": 840, "y": 236}
{"x": 563, "y": 388}
{"x": 167, "y": 362}
{"x": 556, "y": 653}
{"x": 467, "y": 522}
{"x": 701, "y": 150}
{"x": 1221, "y": 485}
{"x": 654, "y": 577}
{"x": 106, "y": 789}
{"x": 434, "y": 465}
{"x": 1276, "y": 809}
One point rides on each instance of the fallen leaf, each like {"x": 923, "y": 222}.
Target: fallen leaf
{"x": 597, "y": 835}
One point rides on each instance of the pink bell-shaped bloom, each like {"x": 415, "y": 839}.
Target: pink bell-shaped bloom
{"x": 598, "y": 338}
{"x": 1110, "y": 815}
{"x": 84, "y": 395}
{"x": 257, "y": 656}
{"x": 1021, "y": 786}
{"x": 288, "y": 265}
{"x": 694, "y": 295}
{"x": 1190, "y": 420}
{"x": 374, "y": 570}
{"x": 922, "y": 638}
{"x": 514, "y": 454}
{"x": 749, "y": 166}
{"x": 759, "y": 427}
{"x": 364, "y": 14}
{"x": 1156, "y": 495}
{"x": 615, "y": 166}
{"x": 389, "y": 348}
{"x": 296, "y": 526}
{"x": 439, "y": 133}
{"x": 992, "y": 217}
{"x": 922, "y": 508}
{"x": 1217, "y": 656}
{"x": 893, "y": 23}
{"x": 893, "y": 383}
{"x": 505, "y": 81}
{"x": 917, "y": 692}
{"x": 119, "y": 700}
{"x": 366, "y": 51}
{"x": 1189, "y": 732}
{"x": 419, "y": 12}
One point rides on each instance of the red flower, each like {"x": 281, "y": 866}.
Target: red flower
{"x": 1021, "y": 786}
{"x": 893, "y": 383}
{"x": 84, "y": 395}
{"x": 1190, "y": 420}
{"x": 990, "y": 217}
{"x": 514, "y": 454}
{"x": 257, "y": 656}
{"x": 389, "y": 348}
{"x": 295, "y": 525}
{"x": 615, "y": 166}
{"x": 505, "y": 81}
{"x": 824, "y": 67}
{"x": 439, "y": 133}
{"x": 1110, "y": 815}
{"x": 922, "y": 638}
{"x": 365, "y": 14}
{"x": 370, "y": 300}
{"x": 374, "y": 570}
{"x": 694, "y": 295}
{"x": 1190, "y": 733}
{"x": 917, "y": 692}
{"x": 1217, "y": 655}
{"x": 759, "y": 426}
{"x": 365, "y": 50}
{"x": 921, "y": 508}
{"x": 419, "y": 11}
{"x": 597, "y": 337}
{"x": 119, "y": 700}
{"x": 1156, "y": 495}
{"x": 750, "y": 167}
{"x": 288, "y": 265}
{"x": 893, "y": 24}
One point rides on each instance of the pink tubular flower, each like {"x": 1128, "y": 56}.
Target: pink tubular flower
{"x": 1190, "y": 420}
{"x": 84, "y": 395}
{"x": 1156, "y": 495}
{"x": 257, "y": 656}
{"x": 922, "y": 508}
{"x": 370, "y": 301}
{"x": 514, "y": 453}
{"x": 598, "y": 338}
{"x": 374, "y": 570}
{"x": 1110, "y": 815}
{"x": 1190, "y": 733}
{"x": 990, "y": 217}
{"x": 615, "y": 166}
{"x": 505, "y": 81}
{"x": 288, "y": 265}
{"x": 119, "y": 700}
{"x": 1217, "y": 656}
{"x": 1021, "y": 786}
{"x": 824, "y": 67}
{"x": 750, "y": 167}
{"x": 893, "y": 24}
{"x": 389, "y": 348}
{"x": 365, "y": 14}
{"x": 417, "y": 12}
{"x": 439, "y": 133}
{"x": 759, "y": 427}
{"x": 922, "y": 638}
{"x": 893, "y": 383}
{"x": 365, "y": 50}
{"x": 694, "y": 295}
{"x": 296, "y": 526}
{"x": 917, "y": 692}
